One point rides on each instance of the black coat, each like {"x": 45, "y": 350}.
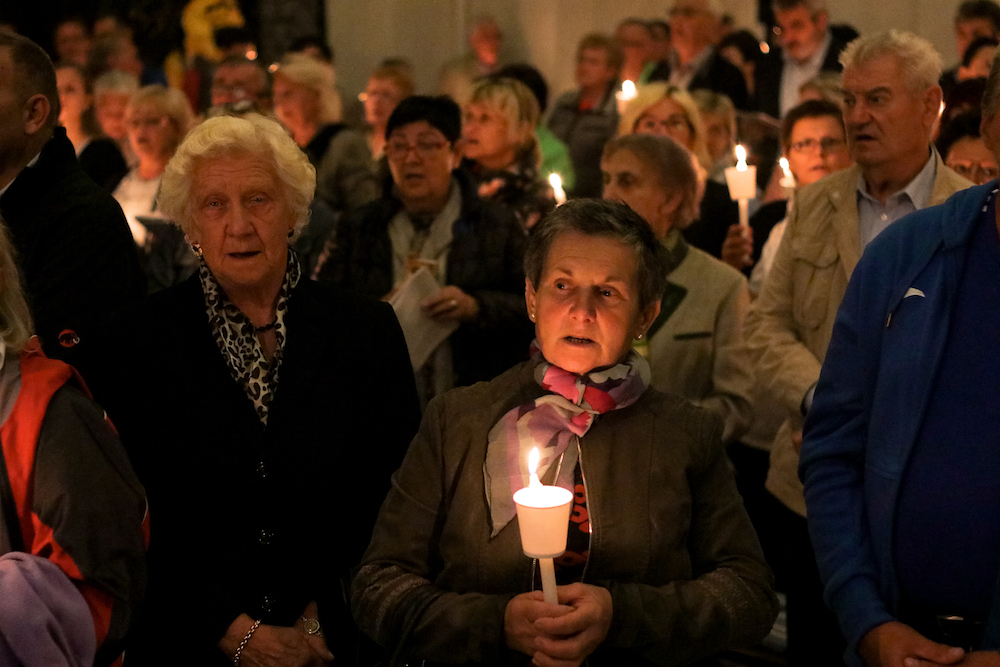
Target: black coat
{"x": 722, "y": 76}
{"x": 767, "y": 76}
{"x": 485, "y": 261}
{"x": 74, "y": 248}
{"x": 248, "y": 519}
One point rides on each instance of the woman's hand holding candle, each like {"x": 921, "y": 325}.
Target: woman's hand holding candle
{"x": 563, "y": 635}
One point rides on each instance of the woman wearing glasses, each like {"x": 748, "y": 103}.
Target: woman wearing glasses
{"x": 432, "y": 218}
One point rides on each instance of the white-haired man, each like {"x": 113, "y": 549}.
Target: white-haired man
{"x": 900, "y": 459}
{"x": 891, "y": 105}
{"x": 695, "y": 29}
{"x": 807, "y": 47}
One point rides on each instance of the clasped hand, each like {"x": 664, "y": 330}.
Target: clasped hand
{"x": 560, "y": 635}
{"x": 894, "y": 644}
{"x": 277, "y": 646}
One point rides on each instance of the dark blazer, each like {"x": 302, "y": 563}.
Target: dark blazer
{"x": 102, "y": 160}
{"x": 722, "y": 76}
{"x": 74, "y": 248}
{"x": 485, "y": 261}
{"x": 767, "y": 76}
{"x": 248, "y": 519}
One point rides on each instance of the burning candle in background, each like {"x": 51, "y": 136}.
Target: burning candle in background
{"x": 543, "y": 518}
{"x": 742, "y": 182}
{"x": 555, "y": 180}
{"x": 625, "y": 95}
{"x": 787, "y": 179}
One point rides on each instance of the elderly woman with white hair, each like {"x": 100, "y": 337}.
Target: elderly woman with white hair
{"x": 695, "y": 346}
{"x": 502, "y": 151}
{"x": 263, "y": 412}
{"x": 306, "y": 101}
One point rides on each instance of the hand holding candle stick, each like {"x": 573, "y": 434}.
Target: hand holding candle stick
{"x": 543, "y": 518}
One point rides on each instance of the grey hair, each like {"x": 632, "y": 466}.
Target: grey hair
{"x": 918, "y": 60}
{"x": 168, "y": 101}
{"x": 991, "y": 95}
{"x": 228, "y": 136}
{"x": 674, "y": 168}
{"x": 316, "y": 76}
{"x": 15, "y": 316}
{"x": 613, "y": 220}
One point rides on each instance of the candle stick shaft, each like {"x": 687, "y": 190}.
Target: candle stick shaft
{"x": 548, "y": 580}
{"x": 744, "y": 212}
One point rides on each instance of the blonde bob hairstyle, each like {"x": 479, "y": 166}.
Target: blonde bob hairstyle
{"x": 318, "y": 77}
{"x": 167, "y": 101}
{"x": 15, "y": 317}
{"x": 674, "y": 167}
{"x": 519, "y": 106}
{"x": 652, "y": 94}
{"x": 228, "y": 136}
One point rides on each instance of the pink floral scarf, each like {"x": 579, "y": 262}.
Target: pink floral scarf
{"x": 552, "y": 423}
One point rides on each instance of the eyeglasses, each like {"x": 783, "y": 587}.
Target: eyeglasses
{"x": 397, "y": 150}
{"x": 825, "y": 145}
{"x": 977, "y": 172}
{"x": 676, "y": 123}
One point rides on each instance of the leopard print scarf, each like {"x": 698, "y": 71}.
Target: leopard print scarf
{"x": 234, "y": 334}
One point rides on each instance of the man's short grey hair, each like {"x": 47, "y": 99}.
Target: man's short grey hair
{"x": 814, "y": 7}
{"x": 918, "y": 60}
{"x": 991, "y": 96}
{"x": 228, "y": 136}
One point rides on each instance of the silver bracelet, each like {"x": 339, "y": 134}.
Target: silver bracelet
{"x": 243, "y": 644}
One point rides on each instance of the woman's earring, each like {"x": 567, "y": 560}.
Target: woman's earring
{"x": 639, "y": 337}
{"x": 531, "y": 316}
{"x": 197, "y": 249}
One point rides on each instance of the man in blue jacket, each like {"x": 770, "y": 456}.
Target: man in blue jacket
{"x": 900, "y": 458}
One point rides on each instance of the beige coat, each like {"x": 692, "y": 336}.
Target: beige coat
{"x": 699, "y": 352}
{"x": 790, "y": 324}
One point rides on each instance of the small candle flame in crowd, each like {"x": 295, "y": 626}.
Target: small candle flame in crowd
{"x": 628, "y": 89}
{"x": 787, "y": 179}
{"x": 555, "y": 180}
{"x": 533, "y": 457}
{"x": 741, "y": 158}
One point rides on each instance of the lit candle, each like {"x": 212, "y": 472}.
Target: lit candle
{"x": 625, "y": 95}
{"x": 787, "y": 179}
{"x": 742, "y": 182}
{"x": 543, "y": 518}
{"x": 555, "y": 180}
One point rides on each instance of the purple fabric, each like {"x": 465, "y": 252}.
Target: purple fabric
{"x": 44, "y": 620}
{"x": 551, "y": 423}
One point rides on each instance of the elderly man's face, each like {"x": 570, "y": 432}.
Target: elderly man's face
{"x": 631, "y": 181}
{"x": 238, "y": 83}
{"x": 241, "y": 219}
{"x": 886, "y": 121}
{"x": 801, "y": 33}
{"x": 692, "y": 26}
{"x": 421, "y": 160}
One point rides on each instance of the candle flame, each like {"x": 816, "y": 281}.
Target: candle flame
{"x": 533, "y": 461}
{"x": 741, "y": 158}
{"x": 628, "y": 89}
{"x": 555, "y": 180}
{"x": 784, "y": 167}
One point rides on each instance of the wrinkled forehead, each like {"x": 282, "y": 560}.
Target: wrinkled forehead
{"x": 879, "y": 71}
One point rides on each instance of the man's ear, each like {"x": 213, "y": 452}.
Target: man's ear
{"x": 36, "y": 113}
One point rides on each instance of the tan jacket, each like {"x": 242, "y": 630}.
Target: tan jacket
{"x": 790, "y": 324}
{"x": 699, "y": 352}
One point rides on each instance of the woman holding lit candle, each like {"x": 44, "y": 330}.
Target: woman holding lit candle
{"x": 501, "y": 149}
{"x": 661, "y": 563}
{"x": 263, "y": 425}
{"x": 669, "y": 111}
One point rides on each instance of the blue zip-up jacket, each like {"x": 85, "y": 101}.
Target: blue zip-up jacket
{"x": 872, "y": 395}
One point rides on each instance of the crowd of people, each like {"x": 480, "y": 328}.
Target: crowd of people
{"x": 272, "y": 361}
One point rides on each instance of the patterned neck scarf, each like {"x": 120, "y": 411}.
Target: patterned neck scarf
{"x": 553, "y": 423}
{"x": 234, "y": 334}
